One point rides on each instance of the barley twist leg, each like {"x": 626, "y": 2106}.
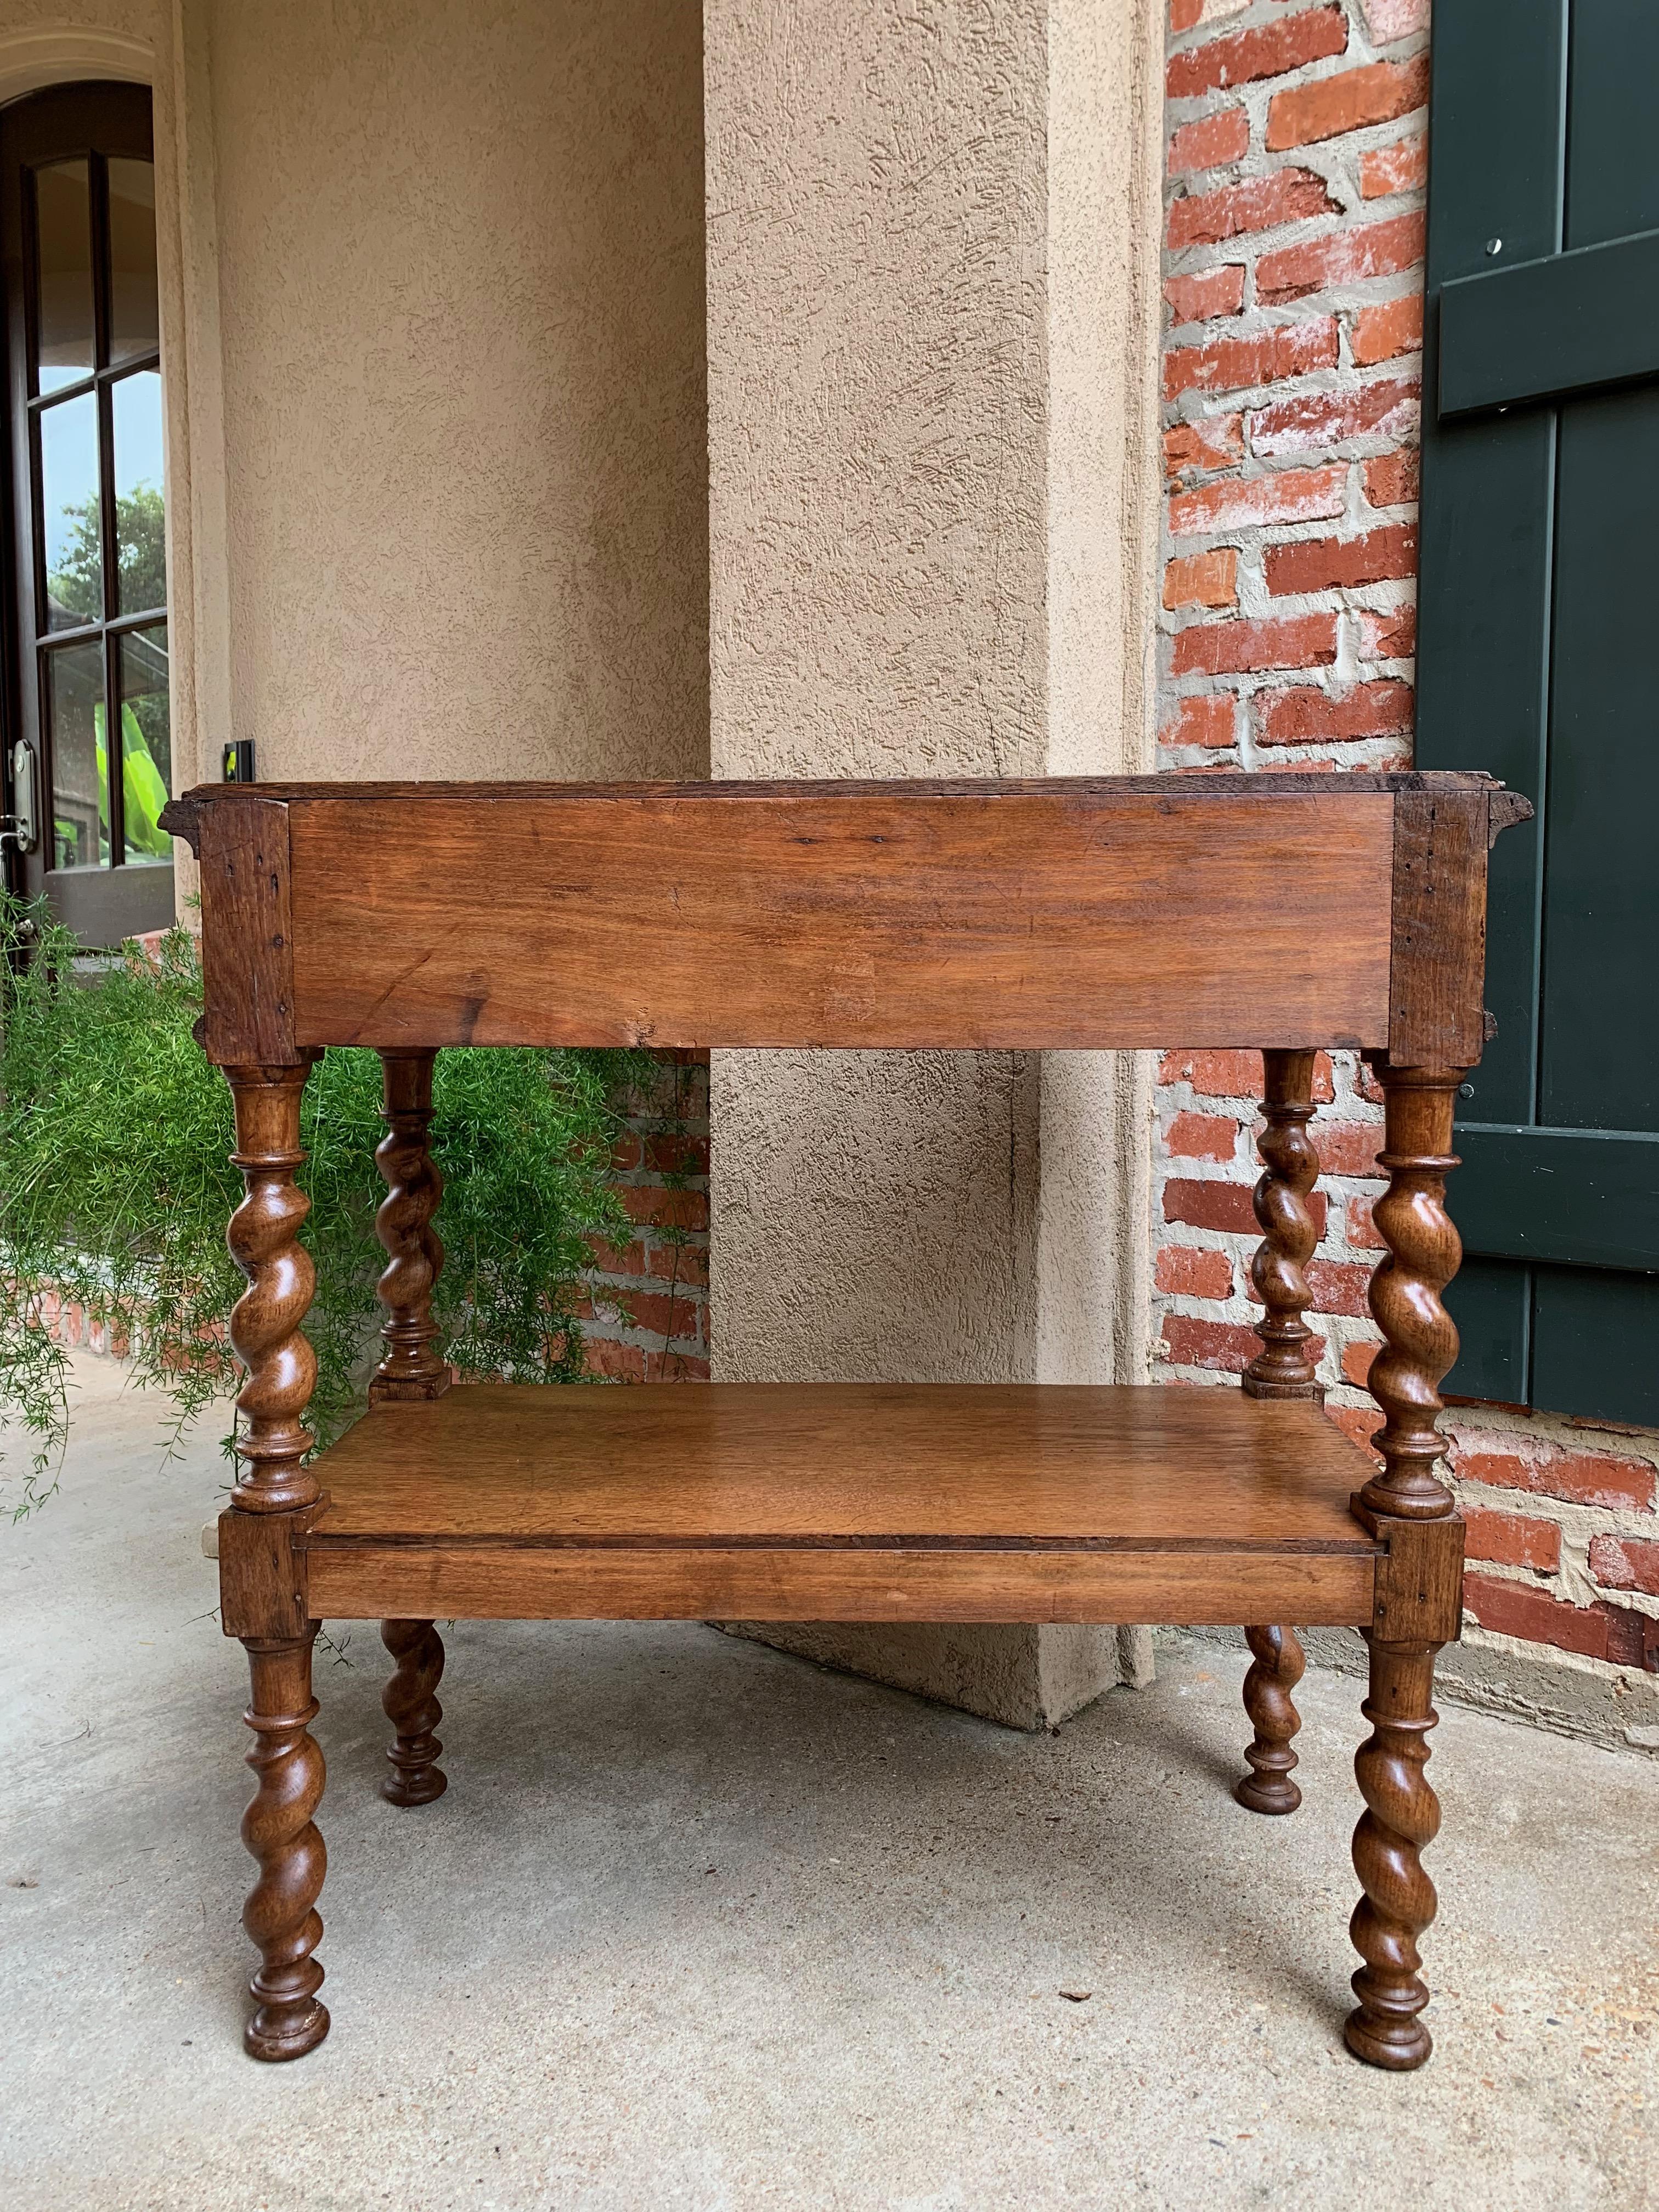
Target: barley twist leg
{"x": 411, "y": 1703}
{"x": 1401, "y": 1816}
{"x": 280, "y": 1914}
{"x": 1419, "y": 1336}
{"x": 1277, "y": 1668}
{"x": 264, "y": 1236}
{"x": 413, "y": 1367}
{"x": 1284, "y": 1368}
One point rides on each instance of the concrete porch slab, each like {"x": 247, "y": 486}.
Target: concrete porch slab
{"x": 698, "y": 1924}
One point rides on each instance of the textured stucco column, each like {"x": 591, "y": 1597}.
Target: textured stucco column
{"x": 931, "y": 303}
{"x": 436, "y": 376}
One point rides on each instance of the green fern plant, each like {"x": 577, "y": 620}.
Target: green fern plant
{"x": 115, "y": 1188}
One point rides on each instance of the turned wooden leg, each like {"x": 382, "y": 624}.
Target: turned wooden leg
{"x": 1419, "y": 1583}
{"x": 1277, "y": 1668}
{"x": 264, "y": 1236}
{"x": 259, "y": 1589}
{"x": 410, "y": 1702}
{"x": 1401, "y": 1815}
{"x": 281, "y": 1913}
{"x": 1284, "y": 1368}
{"x": 413, "y": 1367}
{"x": 1419, "y": 1337}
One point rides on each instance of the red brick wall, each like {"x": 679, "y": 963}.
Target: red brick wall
{"x": 1294, "y": 316}
{"x": 646, "y": 1315}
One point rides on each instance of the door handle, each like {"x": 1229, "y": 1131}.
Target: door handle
{"x": 21, "y": 827}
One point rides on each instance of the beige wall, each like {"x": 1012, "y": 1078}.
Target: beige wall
{"x": 876, "y": 342}
{"x": 433, "y": 344}
{"x": 460, "y": 303}
{"x": 932, "y": 267}
{"x": 932, "y": 290}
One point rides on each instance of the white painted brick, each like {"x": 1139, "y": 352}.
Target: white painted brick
{"x": 1388, "y": 20}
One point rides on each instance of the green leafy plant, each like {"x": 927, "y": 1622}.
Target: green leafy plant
{"x": 76, "y": 581}
{"x": 115, "y": 1188}
{"x": 76, "y": 585}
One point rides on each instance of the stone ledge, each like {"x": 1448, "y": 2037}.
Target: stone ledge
{"x": 1616, "y": 1707}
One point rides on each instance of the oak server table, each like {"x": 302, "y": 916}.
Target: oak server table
{"x": 1287, "y": 913}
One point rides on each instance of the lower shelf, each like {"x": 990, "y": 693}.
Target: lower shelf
{"x": 843, "y": 1502}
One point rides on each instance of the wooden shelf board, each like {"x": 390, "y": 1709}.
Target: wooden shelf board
{"x": 846, "y": 1465}
{"x": 842, "y": 1501}
{"x": 509, "y": 1581}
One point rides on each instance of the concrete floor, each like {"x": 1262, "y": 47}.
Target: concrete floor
{"x": 698, "y": 1925}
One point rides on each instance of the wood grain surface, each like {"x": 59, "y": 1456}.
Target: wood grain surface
{"x": 515, "y": 1581}
{"x": 1419, "y": 1578}
{"x": 1060, "y": 915}
{"x": 1438, "y": 963}
{"x": 905, "y": 1464}
{"x": 247, "y": 933}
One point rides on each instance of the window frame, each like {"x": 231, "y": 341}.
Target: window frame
{"x": 97, "y": 122}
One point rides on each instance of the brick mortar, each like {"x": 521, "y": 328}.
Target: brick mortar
{"x": 1296, "y": 446}
{"x": 617, "y": 1346}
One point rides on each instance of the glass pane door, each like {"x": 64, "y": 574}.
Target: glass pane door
{"x": 83, "y": 330}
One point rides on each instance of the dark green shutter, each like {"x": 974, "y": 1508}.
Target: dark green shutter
{"x": 1539, "y": 660}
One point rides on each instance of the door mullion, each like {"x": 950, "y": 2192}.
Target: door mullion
{"x": 101, "y": 309}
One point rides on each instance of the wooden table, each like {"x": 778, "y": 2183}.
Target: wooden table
{"x": 1288, "y": 913}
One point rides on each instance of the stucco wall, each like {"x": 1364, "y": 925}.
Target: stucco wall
{"x": 931, "y": 277}
{"x": 932, "y": 255}
{"x": 459, "y": 301}
{"x": 876, "y": 342}
{"x": 432, "y": 283}
{"x": 878, "y": 348}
